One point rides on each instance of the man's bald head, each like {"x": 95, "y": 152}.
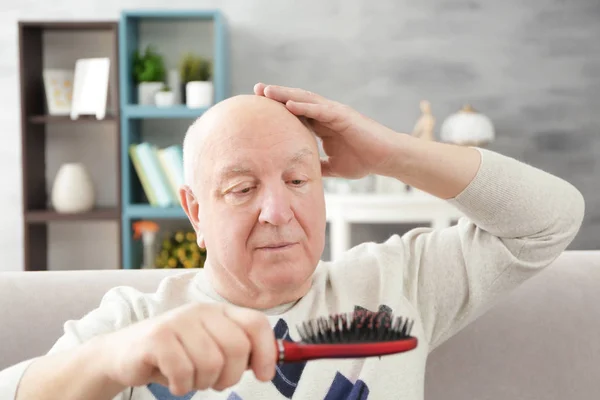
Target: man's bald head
{"x": 237, "y": 116}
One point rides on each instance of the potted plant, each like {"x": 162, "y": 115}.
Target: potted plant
{"x": 165, "y": 97}
{"x": 180, "y": 250}
{"x": 148, "y": 73}
{"x": 196, "y": 74}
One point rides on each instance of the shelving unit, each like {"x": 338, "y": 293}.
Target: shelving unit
{"x": 57, "y": 44}
{"x": 173, "y": 33}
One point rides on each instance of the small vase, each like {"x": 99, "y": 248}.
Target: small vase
{"x": 72, "y": 191}
{"x": 146, "y": 92}
{"x": 199, "y": 94}
{"x": 164, "y": 99}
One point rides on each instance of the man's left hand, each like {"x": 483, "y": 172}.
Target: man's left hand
{"x": 356, "y": 146}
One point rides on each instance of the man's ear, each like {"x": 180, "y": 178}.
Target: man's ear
{"x": 189, "y": 202}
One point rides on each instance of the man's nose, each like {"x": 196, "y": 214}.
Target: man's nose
{"x": 276, "y": 208}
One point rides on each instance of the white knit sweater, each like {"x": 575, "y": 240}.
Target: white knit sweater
{"x": 519, "y": 219}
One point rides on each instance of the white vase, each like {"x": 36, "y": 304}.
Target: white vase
{"x": 146, "y": 92}
{"x": 199, "y": 94}
{"x": 164, "y": 99}
{"x": 72, "y": 190}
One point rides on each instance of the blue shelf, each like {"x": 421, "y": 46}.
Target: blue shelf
{"x": 150, "y": 112}
{"x": 203, "y": 32}
{"x": 146, "y": 211}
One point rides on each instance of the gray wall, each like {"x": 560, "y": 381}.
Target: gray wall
{"x": 532, "y": 66}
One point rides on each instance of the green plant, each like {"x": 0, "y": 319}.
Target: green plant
{"x": 195, "y": 68}
{"x": 148, "y": 66}
{"x": 165, "y": 88}
{"x": 180, "y": 250}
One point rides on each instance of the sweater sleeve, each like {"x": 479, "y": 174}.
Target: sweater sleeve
{"x": 518, "y": 219}
{"x": 119, "y": 307}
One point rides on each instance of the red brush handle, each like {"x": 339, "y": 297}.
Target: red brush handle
{"x": 293, "y": 352}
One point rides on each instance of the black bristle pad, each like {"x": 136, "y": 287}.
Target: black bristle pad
{"x": 359, "y": 326}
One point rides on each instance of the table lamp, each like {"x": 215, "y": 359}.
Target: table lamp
{"x": 467, "y": 127}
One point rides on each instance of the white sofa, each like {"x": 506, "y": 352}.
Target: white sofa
{"x": 542, "y": 342}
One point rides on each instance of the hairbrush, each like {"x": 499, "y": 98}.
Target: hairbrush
{"x": 353, "y": 335}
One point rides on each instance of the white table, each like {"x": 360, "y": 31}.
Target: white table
{"x": 343, "y": 210}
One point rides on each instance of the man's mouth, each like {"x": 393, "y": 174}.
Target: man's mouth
{"x": 277, "y": 246}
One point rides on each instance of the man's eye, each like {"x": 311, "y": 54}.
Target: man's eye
{"x": 297, "y": 182}
{"x": 245, "y": 190}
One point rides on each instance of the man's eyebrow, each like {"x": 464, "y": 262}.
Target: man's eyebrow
{"x": 234, "y": 170}
{"x": 301, "y": 155}
{"x": 231, "y": 171}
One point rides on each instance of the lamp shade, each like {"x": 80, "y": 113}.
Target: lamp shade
{"x": 467, "y": 128}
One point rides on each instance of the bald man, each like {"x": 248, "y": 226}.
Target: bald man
{"x": 254, "y": 196}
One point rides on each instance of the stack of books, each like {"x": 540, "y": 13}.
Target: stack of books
{"x": 160, "y": 171}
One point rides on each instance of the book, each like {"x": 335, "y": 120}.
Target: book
{"x": 155, "y": 174}
{"x": 141, "y": 173}
{"x": 160, "y": 172}
{"x": 171, "y": 160}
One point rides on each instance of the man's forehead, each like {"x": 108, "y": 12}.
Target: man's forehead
{"x": 248, "y": 162}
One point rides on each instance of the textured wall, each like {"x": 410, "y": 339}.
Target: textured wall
{"x": 533, "y": 67}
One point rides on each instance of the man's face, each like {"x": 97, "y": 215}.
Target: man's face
{"x": 261, "y": 211}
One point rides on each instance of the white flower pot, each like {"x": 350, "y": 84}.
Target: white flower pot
{"x": 199, "y": 94}
{"x": 72, "y": 191}
{"x": 164, "y": 99}
{"x": 146, "y": 92}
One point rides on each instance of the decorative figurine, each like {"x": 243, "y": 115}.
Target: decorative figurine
{"x": 424, "y": 127}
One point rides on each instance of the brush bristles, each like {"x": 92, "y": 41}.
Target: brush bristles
{"x": 360, "y": 326}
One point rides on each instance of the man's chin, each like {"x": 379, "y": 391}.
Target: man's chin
{"x": 284, "y": 277}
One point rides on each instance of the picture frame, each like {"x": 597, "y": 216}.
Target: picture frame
{"x": 90, "y": 88}
{"x": 58, "y": 87}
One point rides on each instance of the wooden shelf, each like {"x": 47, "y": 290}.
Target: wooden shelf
{"x": 65, "y": 119}
{"x": 38, "y": 40}
{"x": 69, "y": 25}
{"x": 99, "y": 214}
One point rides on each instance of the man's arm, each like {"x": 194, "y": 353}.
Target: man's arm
{"x": 70, "y": 370}
{"x": 519, "y": 219}
{"x": 441, "y": 169}
{"x": 72, "y": 374}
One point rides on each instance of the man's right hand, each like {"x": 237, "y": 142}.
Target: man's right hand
{"x": 193, "y": 347}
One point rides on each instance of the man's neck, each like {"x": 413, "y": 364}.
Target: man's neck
{"x": 229, "y": 289}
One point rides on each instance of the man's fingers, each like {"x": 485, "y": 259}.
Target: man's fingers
{"x": 205, "y": 354}
{"x": 262, "y": 340}
{"x": 259, "y": 89}
{"x": 284, "y": 94}
{"x": 174, "y": 364}
{"x": 323, "y": 113}
{"x": 235, "y": 347}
